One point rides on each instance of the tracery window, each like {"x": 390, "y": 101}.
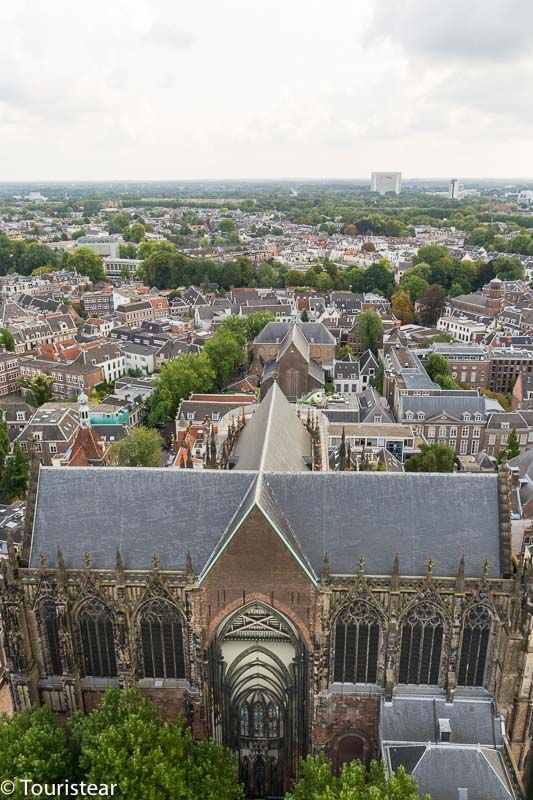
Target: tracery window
{"x": 356, "y": 644}
{"x": 50, "y": 626}
{"x": 245, "y": 720}
{"x": 97, "y": 640}
{"x": 474, "y": 648}
{"x": 272, "y": 721}
{"x": 162, "y": 641}
{"x": 259, "y": 720}
{"x": 421, "y": 645}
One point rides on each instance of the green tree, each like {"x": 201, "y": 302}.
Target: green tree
{"x": 355, "y": 782}
{"x": 86, "y": 262}
{"x": 226, "y": 353}
{"x": 127, "y": 250}
{"x": 402, "y": 308}
{"x": 369, "y": 330}
{"x": 134, "y": 233}
{"x": 512, "y": 450}
{"x": 379, "y": 278}
{"x": 38, "y": 389}
{"x": 7, "y": 340}
{"x": 34, "y": 745}
{"x": 14, "y": 482}
{"x": 256, "y": 322}
{"x": 304, "y": 316}
{"x": 124, "y": 742}
{"x": 438, "y": 370}
{"x": 436, "y": 457}
{"x": 343, "y": 351}
{"x": 4, "y": 442}
{"x": 226, "y": 225}
{"x": 141, "y": 447}
{"x": 118, "y": 222}
{"x": 177, "y": 379}
{"x": 293, "y": 277}
{"x": 508, "y": 269}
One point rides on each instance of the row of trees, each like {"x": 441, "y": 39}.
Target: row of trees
{"x": 27, "y": 257}
{"x": 125, "y": 743}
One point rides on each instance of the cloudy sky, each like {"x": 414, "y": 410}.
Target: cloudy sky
{"x": 117, "y": 89}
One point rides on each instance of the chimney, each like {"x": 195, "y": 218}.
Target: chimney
{"x": 462, "y": 794}
{"x": 445, "y": 731}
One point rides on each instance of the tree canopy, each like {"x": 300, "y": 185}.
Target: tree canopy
{"x": 38, "y": 389}
{"x": 355, "y": 782}
{"x": 436, "y": 457}
{"x": 369, "y": 330}
{"x": 122, "y": 742}
{"x": 141, "y": 447}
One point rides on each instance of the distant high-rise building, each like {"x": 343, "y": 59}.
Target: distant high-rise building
{"x": 456, "y": 190}
{"x": 384, "y": 182}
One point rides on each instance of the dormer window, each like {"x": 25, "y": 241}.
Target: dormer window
{"x": 409, "y": 415}
{"x": 477, "y": 417}
{"x": 505, "y": 426}
{"x": 420, "y": 415}
{"x": 466, "y": 417}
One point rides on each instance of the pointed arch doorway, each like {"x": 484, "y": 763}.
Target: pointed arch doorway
{"x": 258, "y": 680}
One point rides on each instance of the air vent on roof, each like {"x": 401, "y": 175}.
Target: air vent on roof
{"x": 445, "y": 730}
{"x": 462, "y": 794}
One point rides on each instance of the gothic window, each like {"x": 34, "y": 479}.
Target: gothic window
{"x": 50, "y": 628}
{"x": 259, "y": 720}
{"x": 245, "y": 720}
{"x": 272, "y": 721}
{"x": 421, "y": 645}
{"x": 162, "y": 641}
{"x": 356, "y": 644}
{"x": 97, "y": 641}
{"x": 476, "y": 634}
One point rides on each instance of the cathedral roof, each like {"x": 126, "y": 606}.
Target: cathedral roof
{"x": 273, "y": 439}
{"x": 348, "y": 514}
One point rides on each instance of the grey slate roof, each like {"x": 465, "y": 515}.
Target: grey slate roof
{"x": 139, "y": 510}
{"x": 442, "y": 770}
{"x": 379, "y": 514}
{"x": 414, "y": 718}
{"x": 472, "y": 759}
{"x": 274, "y": 438}
{"x": 347, "y": 514}
{"x": 274, "y": 331}
{"x": 453, "y": 405}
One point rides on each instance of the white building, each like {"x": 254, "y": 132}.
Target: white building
{"x": 456, "y": 190}
{"x": 462, "y": 329}
{"x": 525, "y": 196}
{"x": 117, "y": 267}
{"x": 384, "y": 182}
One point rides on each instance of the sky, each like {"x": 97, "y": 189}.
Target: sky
{"x": 163, "y": 89}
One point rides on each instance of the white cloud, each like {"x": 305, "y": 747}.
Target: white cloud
{"x": 156, "y": 89}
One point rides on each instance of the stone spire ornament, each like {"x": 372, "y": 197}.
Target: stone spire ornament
{"x": 61, "y": 571}
{"x": 395, "y": 577}
{"x": 324, "y": 574}
{"x": 119, "y": 567}
{"x": 460, "y": 579}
